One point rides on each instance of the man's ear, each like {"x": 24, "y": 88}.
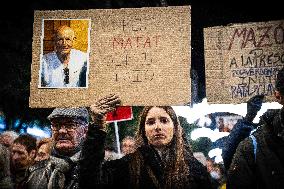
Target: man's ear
{"x": 85, "y": 130}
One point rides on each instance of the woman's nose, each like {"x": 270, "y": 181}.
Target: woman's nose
{"x": 158, "y": 127}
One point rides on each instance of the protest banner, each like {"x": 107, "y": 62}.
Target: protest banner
{"x": 141, "y": 54}
{"x": 242, "y": 60}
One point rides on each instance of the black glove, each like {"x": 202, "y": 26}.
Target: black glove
{"x": 253, "y": 106}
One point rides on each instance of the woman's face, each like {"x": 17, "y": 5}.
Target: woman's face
{"x": 159, "y": 127}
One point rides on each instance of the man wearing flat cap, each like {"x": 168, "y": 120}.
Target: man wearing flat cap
{"x": 68, "y": 126}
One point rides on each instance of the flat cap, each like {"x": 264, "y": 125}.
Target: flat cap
{"x": 78, "y": 113}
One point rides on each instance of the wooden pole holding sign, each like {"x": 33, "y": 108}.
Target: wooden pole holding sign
{"x": 117, "y": 138}
{"x": 122, "y": 113}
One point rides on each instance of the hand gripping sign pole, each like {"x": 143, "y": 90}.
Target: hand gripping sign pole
{"x": 122, "y": 113}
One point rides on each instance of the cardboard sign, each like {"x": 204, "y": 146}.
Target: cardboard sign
{"x": 122, "y": 113}
{"x": 242, "y": 60}
{"x": 143, "y": 55}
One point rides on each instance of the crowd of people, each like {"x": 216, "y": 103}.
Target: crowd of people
{"x": 28, "y": 162}
{"x": 158, "y": 156}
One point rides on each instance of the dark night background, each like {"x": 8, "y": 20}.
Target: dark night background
{"x": 16, "y": 21}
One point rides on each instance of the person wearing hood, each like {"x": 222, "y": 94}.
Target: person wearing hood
{"x": 162, "y": 159}
{"x": 259, "y": 159}
{"x": 240, "y": 131}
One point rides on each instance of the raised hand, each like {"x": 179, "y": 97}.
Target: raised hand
{"x": 253, "y": 106}
{"x": 103, "y": 106}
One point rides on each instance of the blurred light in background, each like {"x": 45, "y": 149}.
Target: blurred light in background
{"x": 2, "y": 123}
{"x": 197, "y": 111}
{"x": 206, "y": 132}
{"x": 217, "y": 153}
{"x": 39, "y": 132}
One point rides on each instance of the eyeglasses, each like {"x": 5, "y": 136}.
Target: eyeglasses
{"x": 69, "y": 127}
{"x": 66, "y": 72}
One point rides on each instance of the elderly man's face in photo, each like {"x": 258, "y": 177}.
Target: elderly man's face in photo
{"x": 64, "y": 40}
{"x": 67, "y": 133}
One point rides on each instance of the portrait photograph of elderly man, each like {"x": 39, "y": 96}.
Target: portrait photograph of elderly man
{"x": 64, "y": 58}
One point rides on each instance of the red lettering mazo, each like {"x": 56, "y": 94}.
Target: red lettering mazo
{"x": 256, "y": 37}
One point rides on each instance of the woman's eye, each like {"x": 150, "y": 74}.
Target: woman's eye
{"x": 150, "y": 122}
{"x": 164, "y": 120}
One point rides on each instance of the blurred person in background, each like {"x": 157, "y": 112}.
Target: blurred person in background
{"x": 128, "y": 145}
{"x": 110, "y": 154}
{"x": 240, "y": 131}
{"x": 44, "y": 147}
{"x": 5, "y": 174}
{"x": 7, "y": 138}
{"x": 221, "y": 124}
{"x": 23, "y": 153}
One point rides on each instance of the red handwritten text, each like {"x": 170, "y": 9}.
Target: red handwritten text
{"x": 135, "y": 42}
{"x": 262, "y": 36}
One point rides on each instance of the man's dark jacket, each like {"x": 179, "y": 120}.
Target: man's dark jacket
{"x": 265, "y": 169}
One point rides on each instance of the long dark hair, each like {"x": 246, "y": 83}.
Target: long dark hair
{"x": 176, "y": 165}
